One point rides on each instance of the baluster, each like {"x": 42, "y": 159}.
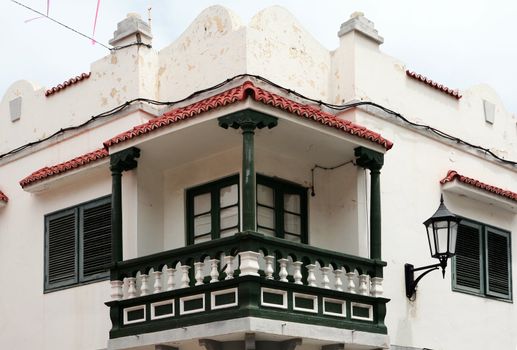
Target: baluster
{"x": 131, "y": 290}
{"x": 338, "y": 282}
{"x": 185, "y": 279}
{"x": 350, "y": 287}
{"x": 377, "y": 289}
{"x": 283, "y": 270}
{"x": 144, "y": 287}
{"x": 198, "y": 268}
{"x": 157, "y": 281}
{"x": 269, "y": 267}
{"x": 117, "y": 292}
{"x": 214, "y": 272}
{"x": 171, "y": 284}
{"x": 297, "y": 273}
{"x": 311, "y": 278}
{"x": 228, "y": 260}
{"x": 363, "y": 284}
{"x": 325, "y": 281}
{"x": 249, "y": 264}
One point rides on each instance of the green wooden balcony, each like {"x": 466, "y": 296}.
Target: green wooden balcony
{"x": 246, "y": 275}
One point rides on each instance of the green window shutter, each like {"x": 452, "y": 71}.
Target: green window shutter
{"x": 61, "y": 249}
{"x": 468, "y": 257}
{"x": 95, "y": 219}
{"x": 498, "y": 282}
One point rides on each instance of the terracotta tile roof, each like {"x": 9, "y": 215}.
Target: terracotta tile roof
{"x": 67, "y": 83}
{"x": 240, "y": 93}
{"x": 61, "y": 168}
{"x": 433, "y": 84}
{"x": 453, "y": 175}
{"x": 3, "y": 197}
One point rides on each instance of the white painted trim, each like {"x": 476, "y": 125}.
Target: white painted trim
{"x": 366, "y": 306}
{"x": 191, "y": 297}
{"x": 480, "y": 195}
{"x": 314, "y": 299}
{"x": 224, "y": 291}
{"x": 133, "y": 308}
{"x": 283, "y": 293}
{"x": 159, "y": 303}
{"x": 335, "y": 301}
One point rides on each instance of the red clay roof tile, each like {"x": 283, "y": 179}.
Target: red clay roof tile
{"x": 72, "y": 164}
{"x": 258, "y": 94}
{"x": 453, "y": 175}
{"x": 67, "y": 83}
{"x": 433, "y": 84}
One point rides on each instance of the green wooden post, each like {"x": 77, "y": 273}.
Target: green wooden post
{"x": 119, "y": 162}
{"x": 374, "y": 161}
{"x": 248, "y": 121}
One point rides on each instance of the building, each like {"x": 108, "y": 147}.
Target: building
{"x": 213, "y": 201}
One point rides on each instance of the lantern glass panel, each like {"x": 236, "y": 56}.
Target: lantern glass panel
{"x": 430, "y": 238}
{"x": 452, "y": 237}
{"x": 441, "y": 232}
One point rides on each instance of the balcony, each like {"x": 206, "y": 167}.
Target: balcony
{"x": 247, "y": 275}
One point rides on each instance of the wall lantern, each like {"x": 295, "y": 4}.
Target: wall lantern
{"x": 442, "y": 229}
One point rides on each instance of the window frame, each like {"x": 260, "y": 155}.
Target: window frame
{"x": 484, "y": 291}
{"x": 79, "y": 278}
{"x": 212, "y": 187}
{"x": 280, "y": 188}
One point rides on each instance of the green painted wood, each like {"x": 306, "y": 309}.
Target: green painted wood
{"x": 374, "y": 161}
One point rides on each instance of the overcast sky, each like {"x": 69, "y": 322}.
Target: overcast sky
{"x": 458, "y": 43}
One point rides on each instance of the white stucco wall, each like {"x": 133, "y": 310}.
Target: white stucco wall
{"x": 274, "y": 45}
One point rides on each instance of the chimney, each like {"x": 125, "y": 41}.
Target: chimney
{"x": 363, "y": 25}
{"x": 132, "y": 30}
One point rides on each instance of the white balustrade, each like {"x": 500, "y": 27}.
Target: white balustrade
{"x": 198, "y": 273}
{"x": 338, "y": 281}
{"x": 283, "y": 270}
{"x": 214, "y": 272}
{"x": 249, "y": 263}
{"x": 350, "y": 286}
{"x": 363, "y": 284}
{"x": 377, "y": 289}
{"x": 311, "y": 277}
{"x": 144, "y": 287}
{"x": 297, "y": 272}
{"x": 268, "y": 270}
{"x": 185, "y": 279}
{"x": 117, "y": 292}
{"x": 157, "y": 282}
{"x": 131, "y": 290}
{"x": 325, "y": 281}
{"x": 228, "y": 260}
{"x": 171, "y": 284}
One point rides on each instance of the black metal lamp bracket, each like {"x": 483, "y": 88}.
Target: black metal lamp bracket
{"x": 411, "y": 282}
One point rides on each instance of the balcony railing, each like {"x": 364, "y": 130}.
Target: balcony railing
{"x": 246, "y": 275}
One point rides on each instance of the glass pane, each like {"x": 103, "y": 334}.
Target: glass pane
{"x": 202, "y": 239}
{"x": 265, "y": 195}
{"x": 292, "y": 223}
{"x": 266, "y": 232}
{"x": 292, "y": 203}
{"x": 202, "y": 224}
{"x": 202, "y": 203}
{"x": 229, "y": 195}
{"x": 229, "y": 232}
{"x": 292, "y": 238}
{"x": 266, "y": 217}
{"x": 229, "y": 217}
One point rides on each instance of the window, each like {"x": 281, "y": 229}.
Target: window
{"x": 281, "y": 209}
{"x": 213, "y": 210}
{"x": 78, "y": 244}
{"x": 482, "y": 264}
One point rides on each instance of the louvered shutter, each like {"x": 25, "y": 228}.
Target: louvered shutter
{"x": 61, "y": 263}
{"x": 468, "y": 257}
{"x": 497, "y": 263}
{"x": 96, "y": 239}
